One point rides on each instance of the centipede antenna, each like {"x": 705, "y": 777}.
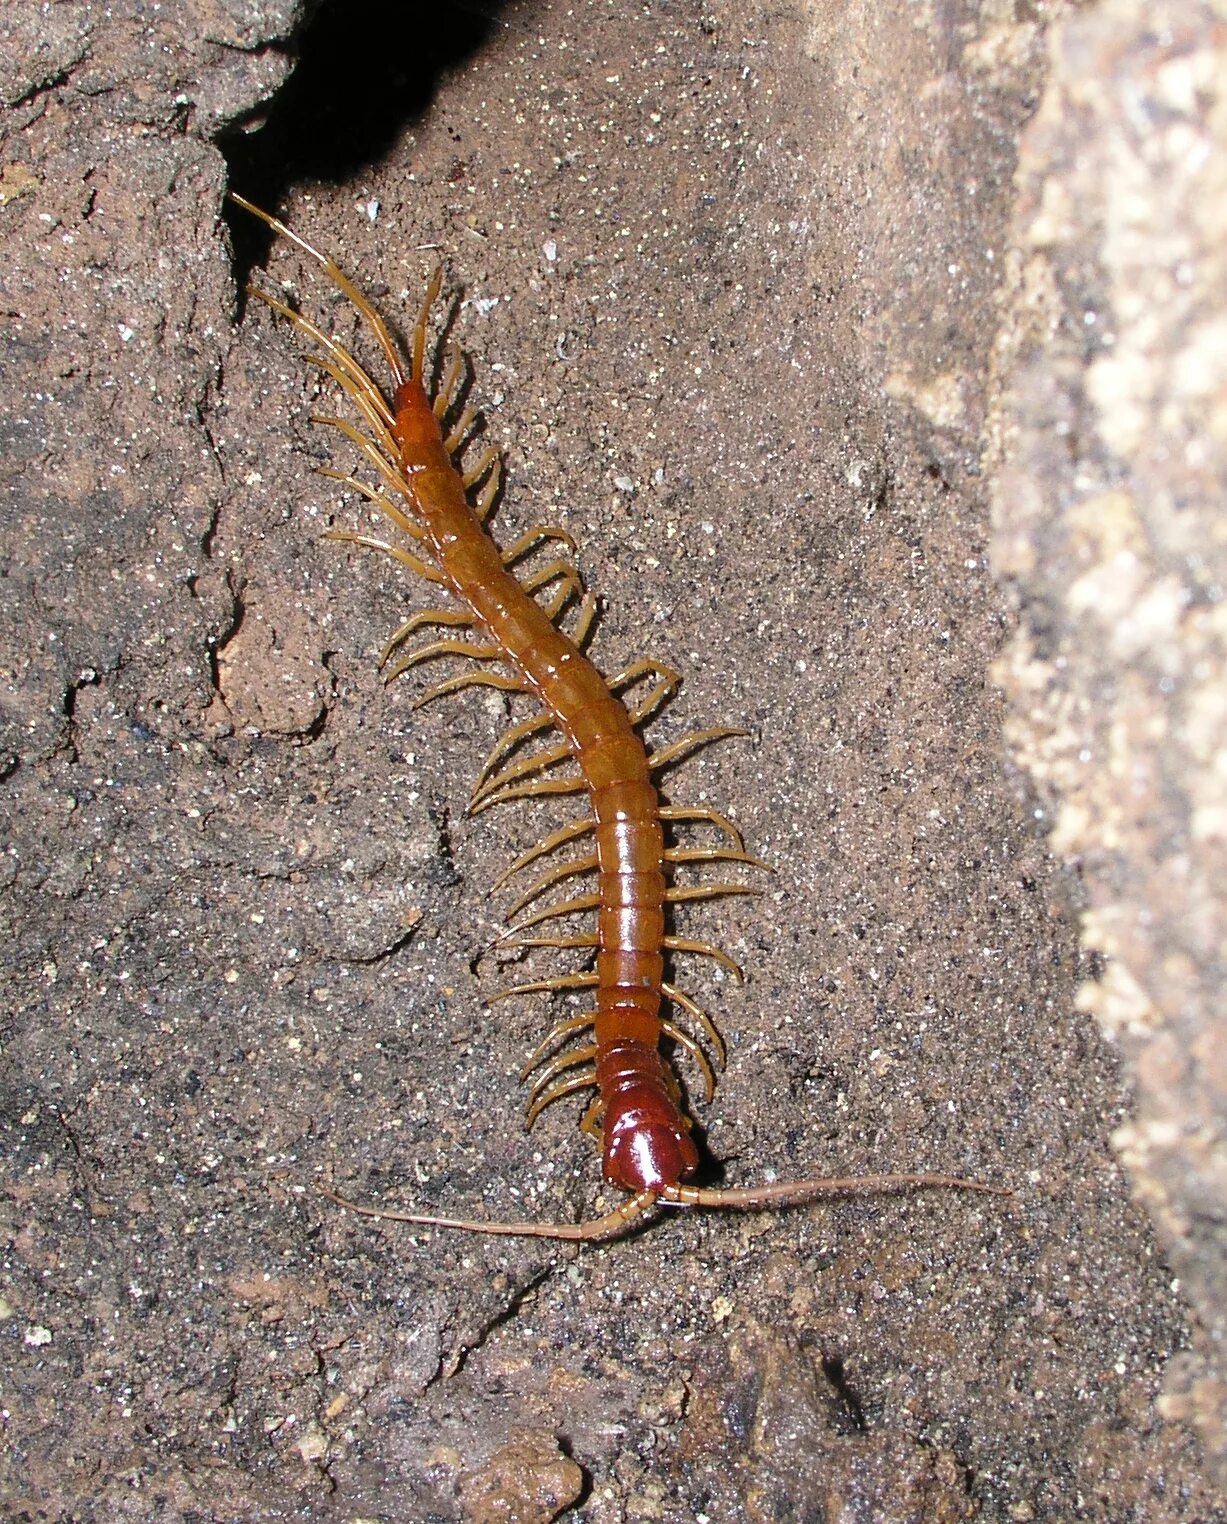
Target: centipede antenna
{"x": 339, "y": 279}
{"x": 348, "y": 371}
{"x": 787, "y": 1193}
{"x": 610, "y": 1225}
{"x": 433, "y": 287}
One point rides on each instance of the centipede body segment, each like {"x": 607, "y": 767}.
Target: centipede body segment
{"x": 510, "y": 627}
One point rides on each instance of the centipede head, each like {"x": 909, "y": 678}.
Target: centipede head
{"x": 647, "y": 1146}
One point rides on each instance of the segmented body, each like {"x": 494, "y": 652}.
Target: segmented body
{"x": 646, "y": 1138}
{"x": 646, "y": 1142}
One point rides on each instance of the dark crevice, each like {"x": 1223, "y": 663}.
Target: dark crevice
{"x": 850, "y": 1404}
{"x": 365, "y": 70}
{"x": 503, "y": 1316}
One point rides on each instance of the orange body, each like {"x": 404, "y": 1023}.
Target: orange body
{"x": 647, "y": 1143}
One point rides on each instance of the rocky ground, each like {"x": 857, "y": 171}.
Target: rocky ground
{"x": 762, "y": 306}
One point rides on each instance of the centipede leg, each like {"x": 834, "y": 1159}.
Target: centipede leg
{"x": 705, "y": 950}
{"x": 715, "y": 855}
{"x": 445, "y": 395}
{"x": 433, "y": 287}
{"x": 555, "y": 571}
{"x": 551, "y": 913}
{"x": 581, "y": 981}
{"x": 449, "y": 617}
{"x": 699, "y": 1016}
{"x": 385, "y": 504}
{"x": 484, "y": 500}
{"x": 690, "y": 743}
{"x": 543, "y": 788}
{"x": 538, "y": 762}
{"x": 564, "y": 1087}
{"x": 369, "y": 542}
{"x": 488, "y": 459}
{"x": 557, "y": 1034}
{"x": 678, "y": 815}
{"x": 551, "y": 843}
{"x": 684, "y": 1040}
{"x": 560, "y": 1065}
{"x": 555, "y": 876}
{"x": 539, "y": 534}
{"x": 471, "y": 680}
{"x": 444, "y": 648}
{"x": 508, "y": 741}
{"x": 461, "y": 427}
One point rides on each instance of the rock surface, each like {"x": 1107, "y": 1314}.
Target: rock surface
{"x": 731, "y": 280}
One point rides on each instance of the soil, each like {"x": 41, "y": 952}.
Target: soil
{"x": 725, "y": 276}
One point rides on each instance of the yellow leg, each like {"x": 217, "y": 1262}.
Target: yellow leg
{"x": 450, "y": 617}
{"x": 553, "y": 912}
{"x": 419, "y": 328}
{"x": 684, "y": 1040}
{"x": 552, "y": 573}
{"x": 462, "y": 426}
{"x": 554, "y": 876}
{"x": 699, "y": 1016}
{"x": 542, "y": 789}
{"x": 489, "y": 457}
{"x": 508, "y": 741}
{"x": 539, "y": 534}
{"x": 566, "y": 1087}
{"x": 714, "y": 855}
{"x": 385, "y": 505}
{"x": 444, "y": 648}
{"x": 471, "y": 680}
{"x": 557, "y": 1034}
{"x": 584, "y": 981}
{"x": 560, "y": 1065}
{"x": 691, "y": 743}
{"x": 704, "y": 949}
{"x": 444, "y": 396}
{"x": 551, "y": 843}
{"x": 681, "y": 814}
{"x": 369, "y": 542}
{"x": 485, "y": 498}
{"x": 538, "y": 762}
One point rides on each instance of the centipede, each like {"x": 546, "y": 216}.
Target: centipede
{"x": 526, "y": 634}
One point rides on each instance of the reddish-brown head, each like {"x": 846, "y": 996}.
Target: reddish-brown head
{"x": 647, "y": 1144}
